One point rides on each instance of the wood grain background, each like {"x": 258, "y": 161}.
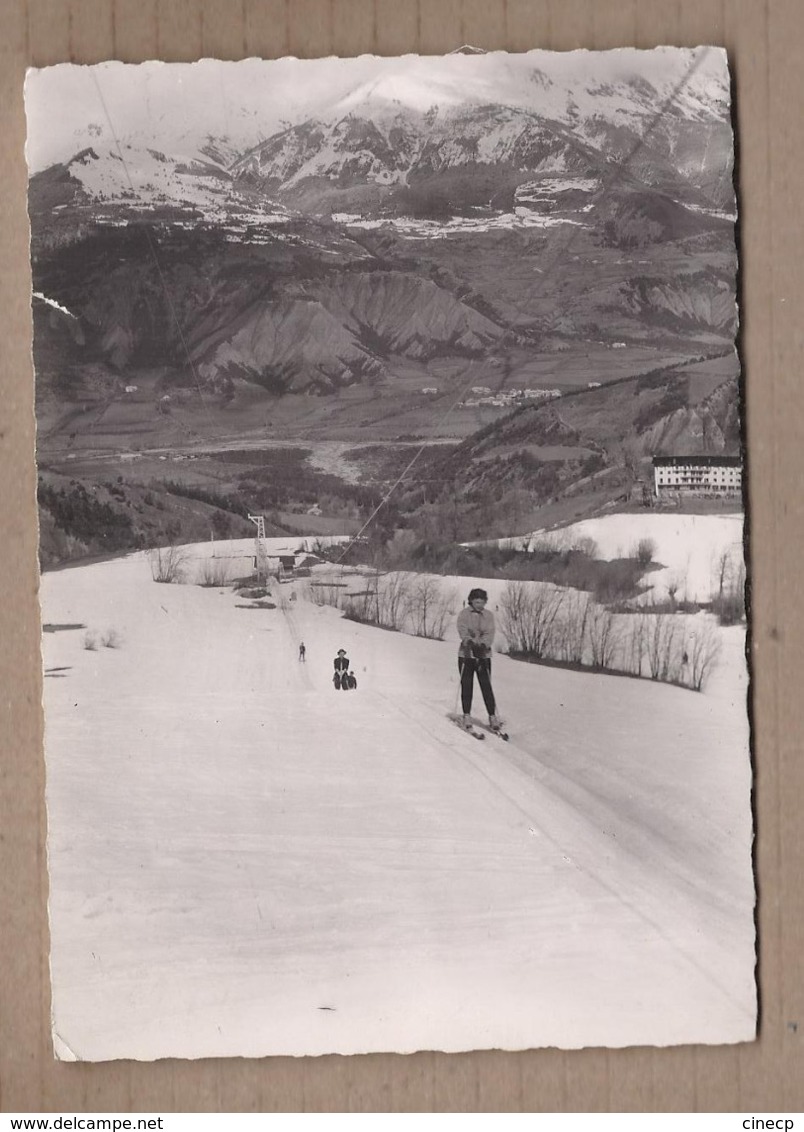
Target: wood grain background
{"x": 765, "y": 43}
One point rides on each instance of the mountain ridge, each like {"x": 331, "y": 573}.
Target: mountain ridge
{"x": 370, "y": 264}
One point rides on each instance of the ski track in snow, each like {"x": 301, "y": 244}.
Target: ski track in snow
{"x": 246, "y": 862}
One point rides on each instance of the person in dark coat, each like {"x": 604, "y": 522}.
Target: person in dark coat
{"x": 341, "y": 663}
{"x": 352, "y": 680}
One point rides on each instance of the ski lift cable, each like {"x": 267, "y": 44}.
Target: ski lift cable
{"x": 233, "y": 469}
{"x": 617, "y": 175}
{"x": 618, "y": 171}
{"x": 153, "y": 253}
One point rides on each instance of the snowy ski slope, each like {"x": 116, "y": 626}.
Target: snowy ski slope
{"x": 245, "y": 862}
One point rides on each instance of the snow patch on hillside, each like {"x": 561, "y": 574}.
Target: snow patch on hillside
{"x": 145, "y": 179}
{"x": 413, "y": 229}
{"x": 688, "y": 547}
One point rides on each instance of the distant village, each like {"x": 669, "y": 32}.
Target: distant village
{"x": 504, "y": 398}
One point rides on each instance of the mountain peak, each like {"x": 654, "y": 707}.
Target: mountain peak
{"x": 401, "y": 92}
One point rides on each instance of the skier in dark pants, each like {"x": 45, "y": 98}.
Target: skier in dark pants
{"x": 476, "y": 629}
{"x": 302, "y": 653}
{"x": 341, "y": 662}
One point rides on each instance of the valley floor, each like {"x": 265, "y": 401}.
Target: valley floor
{"x": 244, "y": 861}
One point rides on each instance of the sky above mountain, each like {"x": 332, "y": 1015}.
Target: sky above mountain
{"x": 177, "y": 106}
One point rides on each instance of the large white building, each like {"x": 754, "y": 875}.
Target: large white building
{"x": 698, "y": 475}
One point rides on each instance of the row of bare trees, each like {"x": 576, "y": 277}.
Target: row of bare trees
{"x": 545, "y": 623}
{"x": 542, "y": 622}
{"x": 174, "y": 565}
{"x": 404, "y": 602}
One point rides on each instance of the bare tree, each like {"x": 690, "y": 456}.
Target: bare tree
{"x": 586, "y": 545}
{"x": 214, "y": 572}
{"x": 722, "y": 570}
{"x": 167, "y": 563}
{"x": 672, "y": 589}
{"x": 644, "y": 551}
{"x": 362, "y": 606}
{"x": 632, "y": 457}
{"x": 603, "y": 636}
{"x": 730, "y": 601}
{"x": 663, "y": 647}
{"x": 528, "y": 617}
{"x": 399, "y": 550}
{"x": 571, "y": 628}
{"x": 394, "y": 600}
{"x": 513, "y": 602}
{"x": 327, "y": 592}
{"x": 703, "y": 651}
{"x": 442, "y": 614}
{"x": 430, "y": 608}
{"x": 632, "y": 649}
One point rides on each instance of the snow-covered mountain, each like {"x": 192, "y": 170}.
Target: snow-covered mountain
{"x": 566, "y": 115}
{"x": 110, "y": 184}
{"x": 191, "y": 107}
{"x": 404, "y": 210}
{"x": 417, "y": 136}
{"x": 400, "y": 131}
{"x": 401, "y": 148}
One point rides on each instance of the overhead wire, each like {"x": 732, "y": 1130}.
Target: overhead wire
{"x": 618, "y": 174}
{"x": 152, "y": 247}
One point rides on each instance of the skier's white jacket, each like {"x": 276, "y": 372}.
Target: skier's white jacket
{"x": 475, "y": 628}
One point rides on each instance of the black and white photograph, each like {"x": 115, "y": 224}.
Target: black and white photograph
{"x": 391, "y": 535}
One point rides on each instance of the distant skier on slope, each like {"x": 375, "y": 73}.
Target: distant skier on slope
{"x": 476, "y": 629}
{"x": 302, "y": 653}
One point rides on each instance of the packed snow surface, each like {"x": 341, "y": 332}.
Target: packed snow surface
{"x": 245, "y": 861}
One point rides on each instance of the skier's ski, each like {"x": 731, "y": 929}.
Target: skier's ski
{"x": 467, "y": 728}
{"x": 500, "y": 732}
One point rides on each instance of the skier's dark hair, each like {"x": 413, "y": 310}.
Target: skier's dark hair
{"x": 477, "y": 593}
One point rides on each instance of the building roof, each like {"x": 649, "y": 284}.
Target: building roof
{"x": 699, "y": 461}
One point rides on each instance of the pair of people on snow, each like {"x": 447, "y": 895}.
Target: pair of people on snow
{"x": 343, "y": 678}
{"x": 476, "y": 629}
